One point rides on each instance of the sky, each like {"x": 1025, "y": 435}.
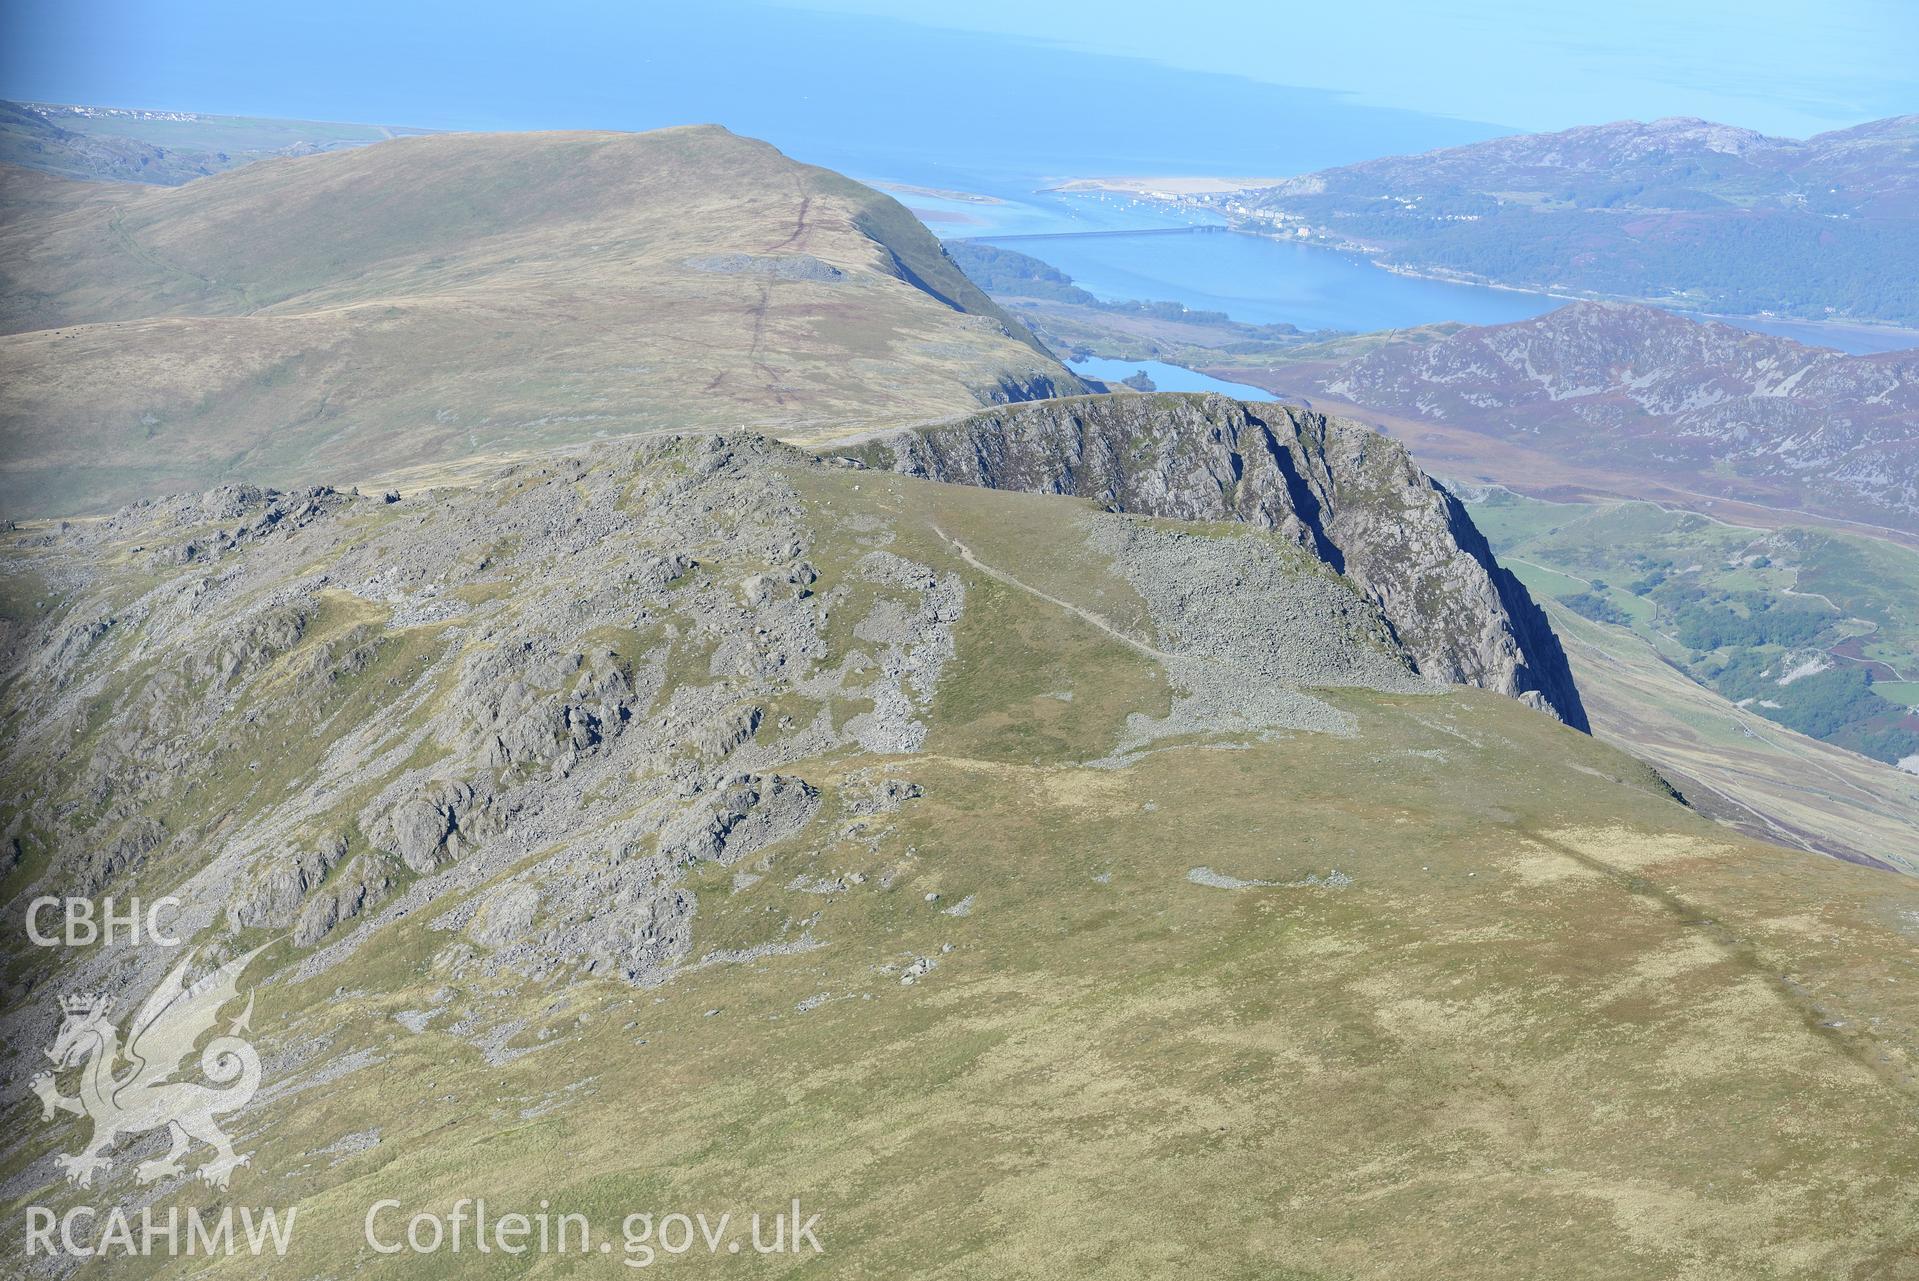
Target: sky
{"x": 951, "y": 90}
{"x": 1787, "y": 67}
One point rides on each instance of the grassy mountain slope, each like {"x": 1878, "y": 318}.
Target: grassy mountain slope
{"x": 429, "y": 298}
{"x": 1730, "y": 761}
{"x": 1496, "y": 391}
{"x": 1802, "y": 630}
{"x": 694, "y": 826}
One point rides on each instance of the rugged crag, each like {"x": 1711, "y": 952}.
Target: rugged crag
{"x": 410, "y": 696}
{"x": 1336, "y": 487}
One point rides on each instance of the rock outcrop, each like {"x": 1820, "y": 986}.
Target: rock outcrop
{"x": 566, "y": 712}
{"x": 1336, "y": 487}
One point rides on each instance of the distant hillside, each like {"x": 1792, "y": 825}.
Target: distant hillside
{"x": 409, "y": 304}
{"x": 1810, "y": 628}
{"x": 1045, "y": 298}
{"x": 1637, "y": 391}
{"x": 31, "y": 141}
{"x": 1720, "y": 218}
{"x": 165, "y": 148}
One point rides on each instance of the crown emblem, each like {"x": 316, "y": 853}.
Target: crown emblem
{"x": 85, "y": 1003}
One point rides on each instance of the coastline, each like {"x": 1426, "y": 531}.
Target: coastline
{"x": 1875, "y": 331}
{"x": 1738, "y": 320}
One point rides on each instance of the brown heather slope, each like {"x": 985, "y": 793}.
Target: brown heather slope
{"x": 344, "y": 315}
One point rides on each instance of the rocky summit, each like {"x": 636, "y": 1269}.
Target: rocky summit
{"x": 437, "y": 671}
{"x": 622, "y": 691}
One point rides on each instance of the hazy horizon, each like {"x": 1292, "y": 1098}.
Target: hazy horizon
{"x": 1228, "y": 88}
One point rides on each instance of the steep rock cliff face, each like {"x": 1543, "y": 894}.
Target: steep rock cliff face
{"x": 1335, "y": 486}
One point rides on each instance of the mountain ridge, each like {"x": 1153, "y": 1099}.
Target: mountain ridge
{"x": 691, "y": 778}
{"x": 348, "y": 314}
{"x": 1160, "y": 817}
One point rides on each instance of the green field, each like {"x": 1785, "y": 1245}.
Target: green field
{"x": 1798, "y": 625}
{"x": 1905, "y": 693}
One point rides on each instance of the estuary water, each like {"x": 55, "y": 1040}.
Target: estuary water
{"x": 1266, "y": 280}
{"x": 1118, "y": 249}
{"x": 1165, "y": 377}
